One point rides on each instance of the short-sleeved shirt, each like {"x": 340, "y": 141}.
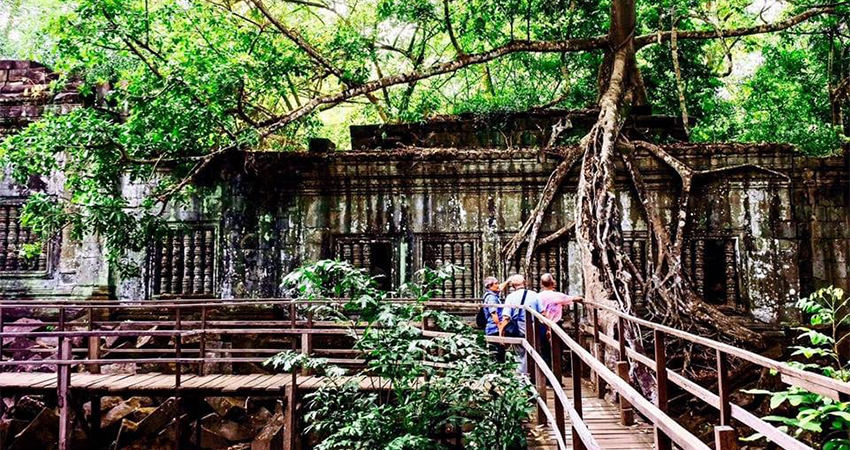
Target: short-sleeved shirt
{"x": 492, "y": 298}
{"x": 518, "y": 314}
{"x": 553, "y": 303}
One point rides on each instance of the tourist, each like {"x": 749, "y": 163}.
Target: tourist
{"x": 493, "y": 316}
{"x": 553, "y": 303}
{"x": 513, "y": 319}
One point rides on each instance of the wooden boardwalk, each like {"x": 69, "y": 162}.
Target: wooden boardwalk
{"x": 158, "y": 383}
{"x": 603, "y": 420}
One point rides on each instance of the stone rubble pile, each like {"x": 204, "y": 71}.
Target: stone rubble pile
{"x": 145, "y": 423}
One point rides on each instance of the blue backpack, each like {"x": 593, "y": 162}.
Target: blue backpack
{"x": 512, "y": 328}
{"x": 483, "y": 314}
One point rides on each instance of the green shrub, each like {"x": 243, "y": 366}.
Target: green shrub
{"x": 465, "y": 389}
{"x": 821, "y": 420}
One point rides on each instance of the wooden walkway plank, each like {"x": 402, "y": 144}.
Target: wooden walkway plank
{"x": 603, "y": 421}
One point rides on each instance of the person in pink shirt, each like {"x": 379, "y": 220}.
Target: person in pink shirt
{"x": 553, "y": 303}
{"x": 552, "y": 300}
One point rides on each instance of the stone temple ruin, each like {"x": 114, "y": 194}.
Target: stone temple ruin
{"x": 453, "y": 190}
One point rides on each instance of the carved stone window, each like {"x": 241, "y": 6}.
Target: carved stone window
{"x": 13, "y": 237}
{"x": 375, "y": 254}
{"x": 713, "y": 265}
{"x": 459, "y": 250}
{"x": 183, "y": 262}
{"x": 551, "y": 258}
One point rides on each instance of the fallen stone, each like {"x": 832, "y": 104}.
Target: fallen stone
{"x": 169, "y": 432}
{"x": 259, "y": 418}
{"x": 271, "y": 436}
{"x": 42, "y": 433}
{"x": 109, "y": 402}
{"x": 23, "y": 325}
{"x": 9, "y": 428}
{"x": 27, "y": 408}
{"x": 118, "y": 368}
{"x": 210, "y": 440}
{"x": 140, "y": 413}
{"x": 157, "y": 419}
{"x": 227, "y": 429}
{"x": 243, "y": 446}
{"x": 228, "y": 407}
{"x": 123, "y": 409}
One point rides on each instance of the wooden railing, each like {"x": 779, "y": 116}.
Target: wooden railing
{"x": 192, "y": 317}
{"x": 724, "y": 433}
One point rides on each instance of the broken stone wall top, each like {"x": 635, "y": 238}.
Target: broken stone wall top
{"x": 507, "y": 130}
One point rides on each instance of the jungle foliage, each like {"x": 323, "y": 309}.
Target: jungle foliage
{"x": 190, "y": 80}
{"x": 823, "y": 421}
{"x": 446, "y": 384}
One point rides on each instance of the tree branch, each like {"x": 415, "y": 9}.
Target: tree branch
{"x": 662, "y": 36}
{"x": 571, "y": 45}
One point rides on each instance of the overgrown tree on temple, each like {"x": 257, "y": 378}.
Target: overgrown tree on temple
{"x": 174, "y": 85}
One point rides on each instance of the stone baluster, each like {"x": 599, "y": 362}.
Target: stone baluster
{"x": 12, "y": 245}
{"x": 468, "y": 275}
{"x": 357, "y": 254}
{"x": 448, "y": 286}
{"x": 197, "y": 283}
{"x": 4, "y": 235}
{"x": 346, "y": 253}
{"x": 176, "y": 263}
{"x": 699, "y": 266}
{"x": 628, "y": 249}
{"x": 42, "y": 257}
{"x": 731, "y": 273}
{"x": 638, "y": 259}
{"x": 367, "y": 256}
{"x": 23, "y": 238}
{"x": 457, "y": 255}
{"x": 165, "y": 266}
{"x": 209, "y": 258}
{"x": 187, "y": 262}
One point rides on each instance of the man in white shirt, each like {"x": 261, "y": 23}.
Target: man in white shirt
{"x": 513, "y": 319}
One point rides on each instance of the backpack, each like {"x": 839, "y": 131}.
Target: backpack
{"x": 481, "y": 317}
{"x": 512, "y": 328}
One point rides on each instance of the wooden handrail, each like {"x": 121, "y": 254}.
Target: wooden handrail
{"x": 678, "y": 434}
{"x": 749, "y": 419}
{"x": 794, "y": 375}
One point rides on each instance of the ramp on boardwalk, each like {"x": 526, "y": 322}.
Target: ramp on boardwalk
{"x": 602, "y": 419}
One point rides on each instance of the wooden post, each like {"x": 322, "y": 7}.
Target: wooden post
{"x": 202, "y": 344}
{"x": 94, "y": 344}
{"x": 2, "y": 340}
{"x": 307, "y": 342}
{"x": 598, "y": 352}
{"x": 621, "y": 339}
{"x": 627, "y": 415}
{"x": 557, "y": 352}
{"x": 177, "y": 401}
{"x": 64, "y": 395}
{"x": 575, "y": 372}
{"x": 723, "y": 389}
{"x": 63, "y": 352}
{"x": 662, "y": 441}
{"x": 290, "y": 434}
{"x": 94, "y": 419}
{"x": 724, "y": 438}
{"x": 539, "y": 377}
{"x": 530, "y": 366}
